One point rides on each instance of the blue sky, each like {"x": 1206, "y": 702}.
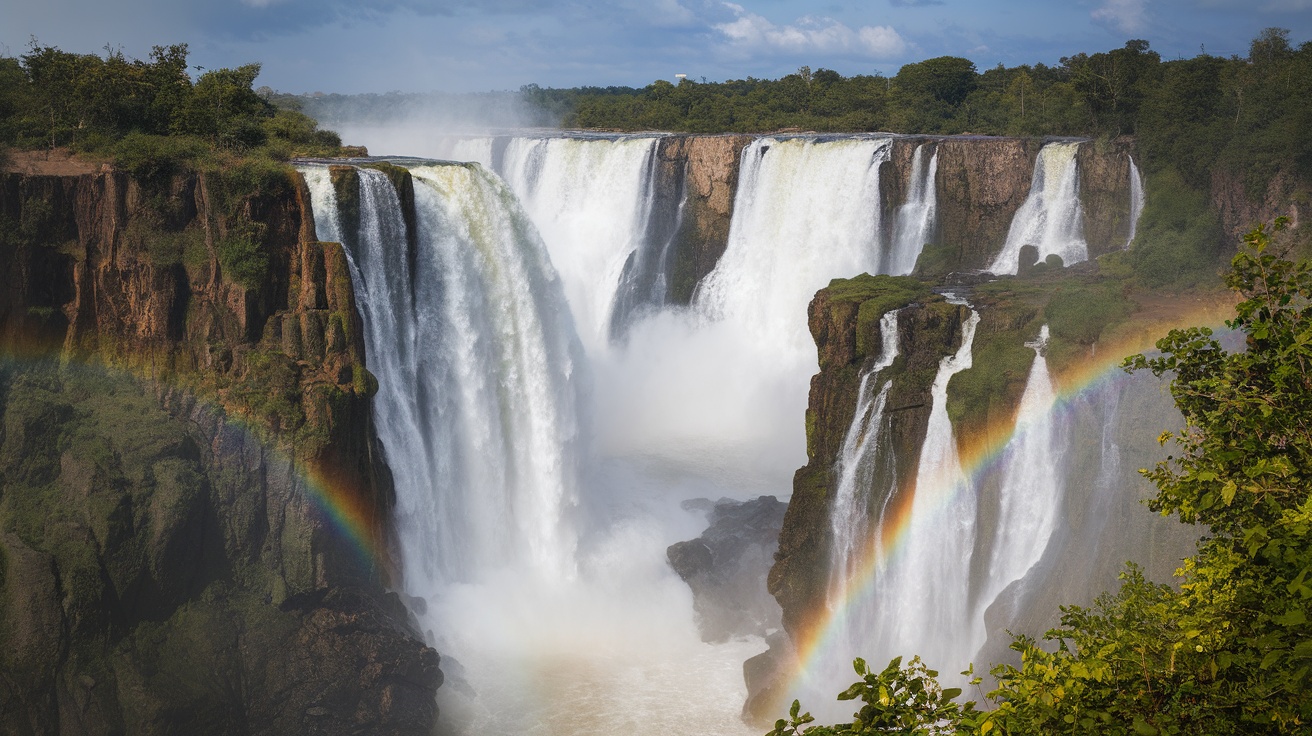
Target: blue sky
{"x": 470, "y": 45}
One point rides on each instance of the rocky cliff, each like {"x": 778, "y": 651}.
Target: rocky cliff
{"x": 844, "y": 320}
{"x": 703, "y": 170}
{"x": 981, "y": 183}
{"x": 167, "y": 568}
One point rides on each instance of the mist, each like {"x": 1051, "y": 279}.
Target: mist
{"x": 422, "y": 124}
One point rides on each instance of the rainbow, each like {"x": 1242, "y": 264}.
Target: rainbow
{"x": 818, "y": 640}
{"x": 344, "y": 509}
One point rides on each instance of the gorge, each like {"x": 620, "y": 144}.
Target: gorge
{"x": 566, "y": 337}
{"x": 685, "y": 263}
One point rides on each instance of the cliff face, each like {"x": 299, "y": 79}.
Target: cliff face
{"x": 704, "y": 172}
{"x": 981, "y": 183}
{"x": 165, "y": 568}
{"x": 844, "y": 320}
{"x": 1241, "y": 212}
{"x": 1104, "y": 171}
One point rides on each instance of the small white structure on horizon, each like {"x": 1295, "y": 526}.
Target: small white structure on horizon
{"x": 680, "y": 77}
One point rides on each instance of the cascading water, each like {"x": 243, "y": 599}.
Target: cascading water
{"x": 1051, "y": 218}
{"x": 533, "y": 583}
{"x": 806, "y": 211}
{"x": 479, "y": 376}
{"x": 915, "y": 217}
{"x": 849, "y": 518}
{"x": 1032, "y": 485}
{"x": 534, "y": 566}
{"x": 590, "y": 199}
{"x": 1136, "y": 202}
{"x": 923, "y": 597}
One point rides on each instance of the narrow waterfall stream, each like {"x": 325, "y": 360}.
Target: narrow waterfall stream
{"x": 849, "y": 519}
{"x": 923, "y": 596}
{"x": 1031, "y": 489}
{"x": 916, "y": 216}
{"x": 1136, "y": 202}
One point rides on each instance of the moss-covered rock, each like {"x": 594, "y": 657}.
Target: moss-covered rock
{"x": 167, "y": 577}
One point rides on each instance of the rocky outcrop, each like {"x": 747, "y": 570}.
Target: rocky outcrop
{"x": 1104, "y": 174}
{"x": 727, "y": 565}
{"x": 844, "y": 320}
{"x": 170, "y": 562}
{"x": 981, "y": 183}
{"x": 1241, "y": 209}
{"x": 704, "y": 172}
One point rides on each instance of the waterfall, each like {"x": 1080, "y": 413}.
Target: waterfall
{"x": 806, "y": 211}
{"x": 327, "y": 224}
{"x": 507, "y": 560}
{"x": 478, "y": 409}
{"x": 915, "y": 217}
{"x": 1136, "y": 202}
{"x": 644, "y": 282}
{"x": 590, "y": 199}
{"x": 922, "y": 597}
{"x": 1051, "y": 218}
{"x": 1032, "y": 483}
{"x": 849, "y": 519}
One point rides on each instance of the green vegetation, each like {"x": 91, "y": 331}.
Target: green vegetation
{"x": 153, "y": 122}
{"x": 147, "y": 115}
{"x": 1230, "y": 650}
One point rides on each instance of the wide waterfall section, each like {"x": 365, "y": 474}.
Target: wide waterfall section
{"x": 590, "y": 199}
{"x": 511, "y": 554}
{"x": 1051, "y": 218}
{"x": 540, "y": 455}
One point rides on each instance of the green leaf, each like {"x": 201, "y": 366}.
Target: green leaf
{"x": 951, "y": 693}
{"x": 1292, "y": 617}
{"x": 1271, "y": 658}
{"x": 1143, "y": 728}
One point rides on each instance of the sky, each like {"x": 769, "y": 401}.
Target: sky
{"x": 353, "y": 46}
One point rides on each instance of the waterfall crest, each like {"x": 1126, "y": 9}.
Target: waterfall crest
{"x": 591, "y": 200}
{"x": 1051, "y": 218}
{"x": 806, "y": 211}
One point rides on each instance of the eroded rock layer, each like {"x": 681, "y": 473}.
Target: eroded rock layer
{"x": 170, "y": 481}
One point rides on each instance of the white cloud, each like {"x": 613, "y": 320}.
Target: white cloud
{"x": 752, "y": 32}
{"x": 1126, "y": 16}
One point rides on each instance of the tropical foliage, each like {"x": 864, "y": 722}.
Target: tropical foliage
{"x": 144, "y": 112}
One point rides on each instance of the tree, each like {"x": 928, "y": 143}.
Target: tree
{"x": 224, "y": 108}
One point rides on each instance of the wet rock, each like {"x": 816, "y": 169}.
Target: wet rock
{"x": 726, "y": 567}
